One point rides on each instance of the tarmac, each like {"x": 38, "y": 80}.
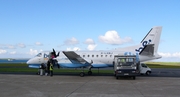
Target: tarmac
{"x": 26, "y": 85}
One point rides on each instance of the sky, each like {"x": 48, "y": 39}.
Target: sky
{"x": 30, "y": 26}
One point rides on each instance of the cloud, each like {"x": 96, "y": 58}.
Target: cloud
{"x": 13, "y": 52}
{"x": 91, "y": 44}
{"x": 21, "y": 45}
{"x": 112, "y": 37}
{"x": 177, "y": 54}
{"x": 170, "y": 55}
{"x": 34, "y": 52}
{"x": 89, "y": 41}
{"x": 38, "y": 44}
{"x": 91, "y": 47}
{"x": 2, "y": 51}
{"x": 73, "y": 49}
{"x": 10, "y": 47}
{"x": 72, "y": 41}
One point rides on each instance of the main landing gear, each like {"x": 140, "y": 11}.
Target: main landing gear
{"x": 90, "y": 72}
{"x": 82, "y": 74}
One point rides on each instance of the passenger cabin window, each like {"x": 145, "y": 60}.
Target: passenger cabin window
{"x": 106, "y": 55}
{"x": 92, "y": 55}
{"x": 88, "y": 55}
{"x": 110, "y": 55}
{"x": 83, "y": 55}
{"x": 101, "y": 55}
{"x": 96, "y": 55}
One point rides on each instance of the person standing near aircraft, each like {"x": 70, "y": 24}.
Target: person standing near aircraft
{"x": 51, "y": 69}
{"x": 41, "y": 69}
{"x": 52, "y": 57}
{"x": 48, "y": 67}
{"x": 46, "y": 70}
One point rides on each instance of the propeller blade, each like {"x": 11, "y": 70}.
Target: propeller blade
{"x": 55, "y": 61}
{"x": 54, "y": 52}
{"x": 58, "y": 54}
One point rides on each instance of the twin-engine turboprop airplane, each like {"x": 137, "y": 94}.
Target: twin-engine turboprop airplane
{"x": 146, "y": 50}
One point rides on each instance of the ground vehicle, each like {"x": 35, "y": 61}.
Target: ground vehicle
{"x": 144, "y": 69}
{"x": 126, "y": 65}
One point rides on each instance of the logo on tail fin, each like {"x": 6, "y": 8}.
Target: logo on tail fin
{"x": 143, "y": 45}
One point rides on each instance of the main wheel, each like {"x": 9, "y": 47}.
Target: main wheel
{"x": 89, "y": 72}
{"x": 148, "y": 73}
{"x": 117, "y": 77}
{"x": 134, "y": 77}
{"x": 38, "y": 73}
{"x": 81, "y": 74}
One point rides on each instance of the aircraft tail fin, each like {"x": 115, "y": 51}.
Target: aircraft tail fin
{"x": 153, "y": 37}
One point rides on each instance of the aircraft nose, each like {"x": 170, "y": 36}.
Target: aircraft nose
{"x": 29, "y": 61}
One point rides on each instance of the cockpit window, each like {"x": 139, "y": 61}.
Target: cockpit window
{"x": 39, "y": 55}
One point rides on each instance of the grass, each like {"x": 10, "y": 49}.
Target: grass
{"x": 163, "y": 64}
{"x": 23, "y": 68}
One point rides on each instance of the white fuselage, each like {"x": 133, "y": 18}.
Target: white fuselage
{"x": 100, "y": 59}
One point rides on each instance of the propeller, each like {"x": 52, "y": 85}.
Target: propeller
{"x": 56, "y": 55}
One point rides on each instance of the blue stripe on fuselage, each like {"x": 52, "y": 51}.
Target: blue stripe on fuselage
{"x": 101, "y": 65}
{"x": 34, "y": 65}
{"x": 70, "y": 65}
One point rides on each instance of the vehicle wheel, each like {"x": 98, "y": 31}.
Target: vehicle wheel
{"x": 82, "y": 74}
{"x": 38, "y": 73}
{"x": 134, "y": 77}
{"x": 89, "y": 72}
{"x": 148, "y": 73}
{"x": 117, "y": 77}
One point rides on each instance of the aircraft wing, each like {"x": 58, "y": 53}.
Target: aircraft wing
{"x": 75, "y": 58}
{"x": 148, "y": 50}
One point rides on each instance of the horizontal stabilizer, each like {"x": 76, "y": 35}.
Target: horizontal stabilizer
{"x": 148, "y": 50}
